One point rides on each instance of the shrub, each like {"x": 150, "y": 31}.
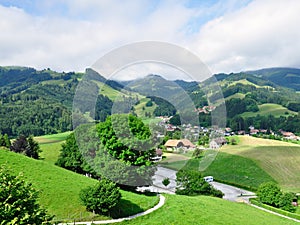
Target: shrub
{"x": 18, "y": 201}
{"x": 101, "y": 197}
{"x": 166, "y": 181}
{"x": 269, "y": 193}
{"x": 285, "y": 202}
{"x": 197, "y": 153}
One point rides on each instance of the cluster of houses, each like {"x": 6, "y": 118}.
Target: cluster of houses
{"x": 191, "y": 135}
{"x": 206, "y": 109}
{"x": 285, "y": 134}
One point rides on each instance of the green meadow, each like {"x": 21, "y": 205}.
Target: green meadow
{"x": 59, "y": 189}
{"x": 204, "y": 210}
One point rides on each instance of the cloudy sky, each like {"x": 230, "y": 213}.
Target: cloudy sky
{"x": 227, "y": 35}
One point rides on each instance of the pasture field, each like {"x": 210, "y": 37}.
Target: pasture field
{"x": 281, "y": 160}
{"x": 52, "y": 138}
{"x": 204, "y": 210}
{"x": 59, "y": 189}
{"x": 267, "y": 109}
{"x": 51, "y": 145}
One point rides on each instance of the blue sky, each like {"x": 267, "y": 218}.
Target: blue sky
{"x": 227, "y": 35}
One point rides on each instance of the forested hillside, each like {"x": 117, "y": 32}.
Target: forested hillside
{"x": 40, "y": 102}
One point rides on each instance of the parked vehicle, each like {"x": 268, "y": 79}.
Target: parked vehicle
{"x": 209, "y": 178}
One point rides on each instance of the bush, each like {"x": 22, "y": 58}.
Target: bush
{"x": 285, "y": 202}
{"x": 101, "y": 197}
{"x": 18, "y": 202}
{"x": 269, "y": 193}
{"x": 166, "y": 181}
{"x": 197, "y": 153}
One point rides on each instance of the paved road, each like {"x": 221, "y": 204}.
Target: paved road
{"x": 231, "y": 193}
{"x": 159, "y": 176}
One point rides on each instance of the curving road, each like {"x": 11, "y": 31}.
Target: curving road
{"x": 231, "y": 193}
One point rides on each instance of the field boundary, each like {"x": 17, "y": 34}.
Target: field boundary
{"x": 161, "y": 202}
{"x": 275, "y": 211}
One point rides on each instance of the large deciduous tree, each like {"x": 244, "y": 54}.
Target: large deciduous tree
{"x": 129, "y": 144}
{"x": 18, "y": 202}
{"x": 269, "y": 193}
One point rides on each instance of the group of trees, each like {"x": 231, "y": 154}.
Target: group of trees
{"x": 119, "y": 149}
{"x": 27, "y": 146}
{"x": 191, "y": 182}
{"x": 271, "y": 194}
{"x": 270, "y": 122}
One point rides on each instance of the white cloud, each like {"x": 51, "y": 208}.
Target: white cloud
{"x": 261, "y": 34}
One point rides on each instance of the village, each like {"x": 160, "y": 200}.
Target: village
{"x": 188, "y": 138}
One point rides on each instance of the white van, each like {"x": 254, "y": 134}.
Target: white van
{"x": 209, "y": 178}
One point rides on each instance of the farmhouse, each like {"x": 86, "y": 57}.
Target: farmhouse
{"x": 217, "y": 143}
{"x": 184, "y": 144}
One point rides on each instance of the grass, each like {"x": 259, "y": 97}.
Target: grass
{"x": 267, "y": 109}
{"x": 174, "y": 161}
{"x": 141, "y": 108}
{"x": 281, "y": 160}
{"x": 59, "y": 189}
{"x": 204, "y": 210}
{"x": 52, "y": 138}
{"x": 237, "y": 170}
{"x": 246, "y": 82}
{"x": 50, "y": 151}
{"x": 51, "y": 145}
{"x": 277, "y": 210}
{"x": 236, "y": 95}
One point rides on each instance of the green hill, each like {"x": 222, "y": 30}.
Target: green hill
{"x": 256, "y": 160}
{"x": 287, "y": 77}
{"x": 270, "y": 109}
{"x": 203, "y": 210}
{"x": 59, "y": 189}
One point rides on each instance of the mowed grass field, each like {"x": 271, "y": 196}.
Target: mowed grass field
{"x": 204, "y": 210}
{"x": 267, "y": 109}
{"x": 59, "y": 188}
{"x": 51, "y": 145}
{"x": 280, "y": 160}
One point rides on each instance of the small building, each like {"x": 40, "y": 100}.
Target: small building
{"x": 176, "y": 144}
{"x": 217, "y": 142}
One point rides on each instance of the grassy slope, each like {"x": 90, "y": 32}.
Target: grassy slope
{"x": 279, "y": 159}
{"x": 182, "y": 210}
{"x": 236, "y": 95}
{"x": 238, "y": 170}
{"x": 59, "y": 188}
{"x": 267, "y": 109}
{"x": 139, "y": 108}
{"x": 51, "y": 145}
{"x": 246, "y": 82}
{"x": 52, "y": 138}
